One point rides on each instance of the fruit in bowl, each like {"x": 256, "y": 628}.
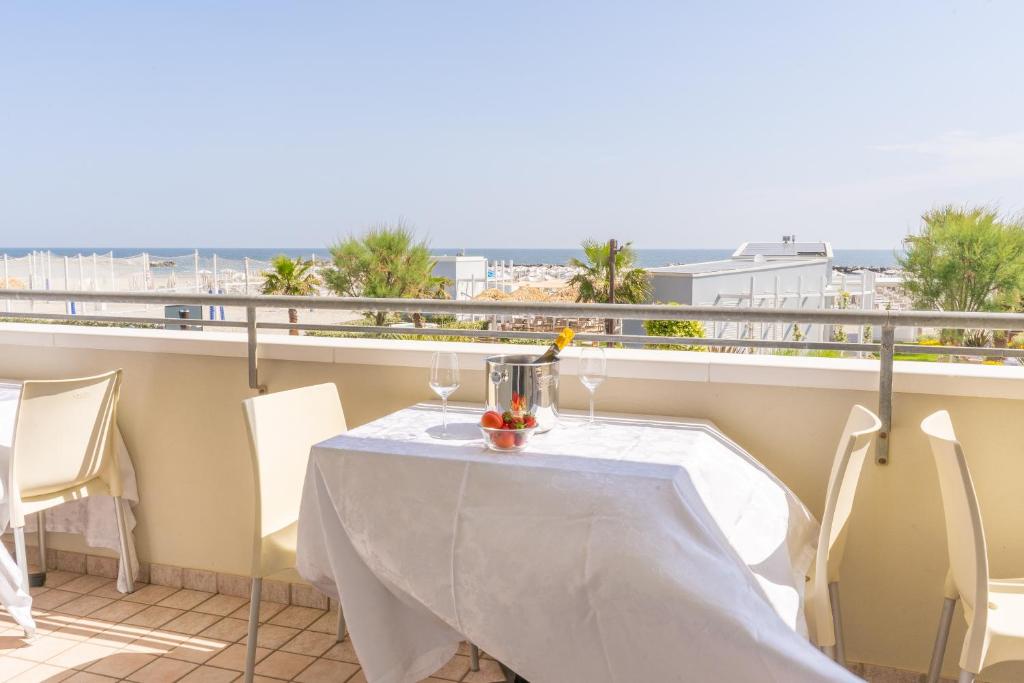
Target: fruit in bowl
{"x": 508, "y": 431}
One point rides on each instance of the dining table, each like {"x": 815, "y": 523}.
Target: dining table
{"x": 93, "y": 517}
{"x": 633, "y": 548}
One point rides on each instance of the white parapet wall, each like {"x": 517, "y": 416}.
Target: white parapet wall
{"x": 181, "y": 417}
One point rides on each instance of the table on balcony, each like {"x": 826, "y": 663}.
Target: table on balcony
{"x": 638, "y": 549}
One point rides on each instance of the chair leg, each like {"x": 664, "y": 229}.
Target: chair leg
{"x": 341, "y": 623}
{"x": 254, "y": 625}
{"x": 19, "y": 550}
{"x": 837, "y": 623}
{"x": 965, "y": 676}
{"x": 474, "y": 657}
{"x": 41, "y": 541}
{"x": 122, "y": 533}
{"x": 939, "y": 651}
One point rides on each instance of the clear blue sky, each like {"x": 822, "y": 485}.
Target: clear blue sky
{"x": 673, "y": 124}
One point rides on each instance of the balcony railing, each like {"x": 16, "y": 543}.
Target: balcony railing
{"x": 884, "y": 349}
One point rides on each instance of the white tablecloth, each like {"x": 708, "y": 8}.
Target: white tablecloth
{"x": 91, "y": 517}
{"x": 641, "y": 549}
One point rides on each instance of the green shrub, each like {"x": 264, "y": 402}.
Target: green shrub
{"x": 675, "y": 328}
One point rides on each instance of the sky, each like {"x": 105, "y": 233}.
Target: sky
{"x": 503, "y": 124}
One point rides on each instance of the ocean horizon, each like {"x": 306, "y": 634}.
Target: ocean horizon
{"x": 646, "y": 258}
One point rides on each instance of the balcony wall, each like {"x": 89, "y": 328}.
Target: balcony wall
{"x": 181, "y": 418}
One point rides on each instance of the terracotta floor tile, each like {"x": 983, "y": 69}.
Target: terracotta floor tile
{"x": 113, "y": 637}
{"x": 41, "y": 649}
{"x": 266, "y": 679}
{"x": 267, "y": 610}
{"x": 11, "y": 667}
{"x": 108, "y": 590}
{"x": 42, "y": 672}
{"x": 198, "y": 650}
{"x": 310, "y": 643}
{"x": 221, "y": 604}
{"x": 328, "y": 623}
{"x": 296, "y": 617}
{"x": 158, "y": 642}
{"x": 191, "y": 623}
{"x": 283, "y": 665}
{"x": 228, "y": 629}
{"x": 209, "y": 674}
{"x": 185, "y": 599}
{"x": 490, "y": 672}
{"x": 86, "y": 677}
{"x": 82, "y": 655}
{"x": 271, "y": 636}
{"x": 55, "y": 578}
{"x": 84, "y": 605}
{"x": 85, "y": 584}
{"x": 53, "y": 598}
{"x": 151, "y": 594}
{"x": 233, "y": 657}
{"x": 153, "y": 616}
{"x": 342, "y": 651}
{"x": 454, "y": 670}
{"x": 360, "y": 677}
{"x": 162, "y": 670}
{"x": 121, "y": 664}
{"x": 80, "y": 632}
{"x": 327, "y": 671}
{"x": 118, "y": 611}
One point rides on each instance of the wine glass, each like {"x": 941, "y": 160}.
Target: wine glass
{"x": 444, "y": 380}
{"x": 593, "y": 370}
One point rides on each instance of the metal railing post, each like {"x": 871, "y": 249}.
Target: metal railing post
{"x": 885, "y": 393}
{"x": 250, "y": 329}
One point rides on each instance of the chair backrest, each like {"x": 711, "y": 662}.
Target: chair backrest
{"x": 283, "y": 426}
{"x": 965, "y": 535}
{"x": 63, "y": 434}
{"x": 861, "y": 427}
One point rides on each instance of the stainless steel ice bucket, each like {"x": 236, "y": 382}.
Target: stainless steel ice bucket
{"x": 535, "y": 384}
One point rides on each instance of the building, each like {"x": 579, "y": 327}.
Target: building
{"x": 467, "y": 275}
{"x": 785, "y": 274}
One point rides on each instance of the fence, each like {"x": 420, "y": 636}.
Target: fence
{"x": 144, "y": 272}
{"x": 885, "y": 321}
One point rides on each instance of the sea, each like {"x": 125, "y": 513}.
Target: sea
{"x": 647, "y": 258}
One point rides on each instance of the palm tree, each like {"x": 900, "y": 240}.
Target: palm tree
{"x": 385, "y": 262}
{"x": 291, "y": 277}
{"x": 631, "y": 284}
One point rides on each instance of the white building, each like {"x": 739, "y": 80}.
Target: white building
{"x": 467, "y": 275}
{"x": 786, "y": 274}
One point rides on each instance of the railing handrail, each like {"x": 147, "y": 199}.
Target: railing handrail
{"x": 950, "y": 319}
{"x": 886, "y": 321}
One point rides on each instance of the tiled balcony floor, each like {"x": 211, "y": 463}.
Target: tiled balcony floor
{"x": 88, "y": 632}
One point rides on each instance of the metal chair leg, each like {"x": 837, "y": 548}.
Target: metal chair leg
{"x": 474, "y": 657}
{"x": 19, "y": 550}
{"x": 342, "y": 627}
{"x": 41, "y": 543}
{"x": 122, "y": 532}
{"x": 965, "y": 676}
{"x": 254, "y": 625}
{"x": 837, "y": 623}
{"x": 939, "y": 651}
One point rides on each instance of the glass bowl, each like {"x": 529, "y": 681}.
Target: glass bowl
{"x": 507, "y": 440}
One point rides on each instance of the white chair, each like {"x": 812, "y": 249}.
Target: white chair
{"x": 282, "y": 428}
{"x": 64, "y": 450}
{"x": 994, "y": 609}
{"x": 824, "y": 618}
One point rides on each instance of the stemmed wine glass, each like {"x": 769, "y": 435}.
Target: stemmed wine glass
{"x": 444, "y": 380}
{"x": 593, "y": 370}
